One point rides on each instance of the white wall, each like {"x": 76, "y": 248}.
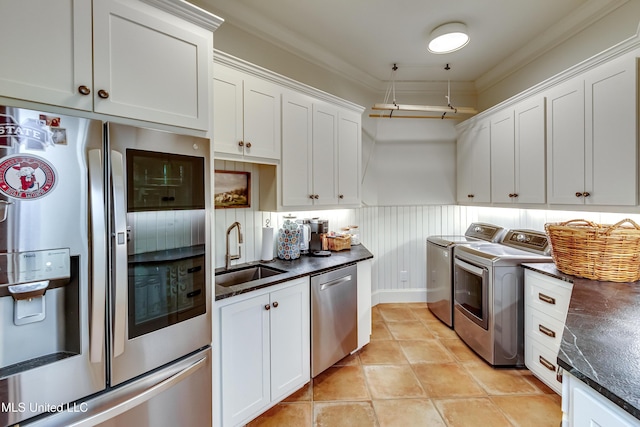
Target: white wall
{"x": 414, "y": 162}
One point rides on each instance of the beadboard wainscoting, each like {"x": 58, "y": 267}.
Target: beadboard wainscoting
{"x": 396, "y": 235}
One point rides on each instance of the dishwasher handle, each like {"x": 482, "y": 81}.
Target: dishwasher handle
{"x": 335, "y": 282}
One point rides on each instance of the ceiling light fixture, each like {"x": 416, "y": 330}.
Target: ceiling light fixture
{"x": 448, "y": 38}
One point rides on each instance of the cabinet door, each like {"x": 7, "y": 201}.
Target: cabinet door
{"x": 530, "y": 183}
{"x": 502, "y": 157}
{"x": 49, "y": 68}
{"x": 245, "y": 359}
{"x": 227, "y": 111}
{"x": 297, "y": 167}
{"x": 565, "y": 139}
{"x": 481, "y": 177}
{"x": 474, "y": 164}
{"x": 463, "y": 172}
{"x": 150, "y": 66}
{"x": 349, "y": 159}
{"x": 290, "y": 339}
{"x": 611, "y": 140}
{"x": 325, "y": 138}
{"x": 587, "y": 407}
{"x": 261, "y": 119}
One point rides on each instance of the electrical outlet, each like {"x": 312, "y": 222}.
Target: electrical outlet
{"x": 404, "y": 276}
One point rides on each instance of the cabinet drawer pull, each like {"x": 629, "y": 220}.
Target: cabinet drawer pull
{"x": 546, "y": 298}
{"x": 470, "y": 196}
{"x": 248, "y": 145}
{"x": 586, "y": 194}
{"x": 341, "y": 196}
{"x": 578, "y": 194}
{"x": 548, "y": 332}
{"x": 103, "y": 94}
{"x": 84, "y": 90}
{"x": 315, "y": 196}
{"x": 275, "y": 304}
{"x": 240, "y": 143}
{"x": 267, "y": 307}
{"x": 550, "y": 366}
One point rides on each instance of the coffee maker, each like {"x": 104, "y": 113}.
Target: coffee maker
{"x": 318, "y": 227}
{"x": 305, "y": 235}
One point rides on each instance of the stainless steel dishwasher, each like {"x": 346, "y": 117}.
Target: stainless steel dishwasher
{"x": 334, "y": 317}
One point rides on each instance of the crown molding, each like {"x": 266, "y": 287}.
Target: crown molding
{"x": 231, "y": 61}
{"x": 188, "y": 12}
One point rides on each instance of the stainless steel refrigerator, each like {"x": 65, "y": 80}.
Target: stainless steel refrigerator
{"x": 105, "y": 295}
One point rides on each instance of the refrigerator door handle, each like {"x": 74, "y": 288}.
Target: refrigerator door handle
{"x": 99, "y": 254}
{"x": 120, "y": 252}
{"x": 87, "y": 415}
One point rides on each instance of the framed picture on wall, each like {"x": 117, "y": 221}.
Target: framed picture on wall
{"x": 232, "y": 189}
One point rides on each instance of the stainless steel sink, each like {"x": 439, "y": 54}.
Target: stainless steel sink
{"x": 244, "y": 275}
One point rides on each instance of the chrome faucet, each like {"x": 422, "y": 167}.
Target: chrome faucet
{"x": 228, "y": 256}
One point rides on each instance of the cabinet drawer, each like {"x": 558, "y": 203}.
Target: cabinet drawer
{"x": 544, "y": 328}
{"x": 542, "y": 362}
{"x": 549, "y": 295}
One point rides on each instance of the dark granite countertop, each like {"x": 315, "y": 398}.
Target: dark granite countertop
{"x": 601, "y": 339}
{"x": 303, "y": 266}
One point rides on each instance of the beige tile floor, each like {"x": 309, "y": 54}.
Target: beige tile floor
{"x": 416, "y": 372}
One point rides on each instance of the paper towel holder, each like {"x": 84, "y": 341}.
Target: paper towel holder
{"x": 267, "y": 243}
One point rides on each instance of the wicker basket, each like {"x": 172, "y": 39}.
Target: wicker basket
{"x": 339, "y": 243}
{"x": 596, "y": 251}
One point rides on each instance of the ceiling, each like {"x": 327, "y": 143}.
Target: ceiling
{"x": 362, "y": 39}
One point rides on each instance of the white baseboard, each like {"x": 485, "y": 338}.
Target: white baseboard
{"x": 398, "y": 295}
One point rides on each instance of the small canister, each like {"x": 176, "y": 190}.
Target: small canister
{"x": 289, "y": 240}
{"x": 355, "y": 235}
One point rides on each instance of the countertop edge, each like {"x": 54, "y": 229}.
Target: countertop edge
{"x": 301, "y": 267}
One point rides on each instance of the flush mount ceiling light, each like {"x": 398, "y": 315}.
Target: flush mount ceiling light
{"x": 448, "y": 38}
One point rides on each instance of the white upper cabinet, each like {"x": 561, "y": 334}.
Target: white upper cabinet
{"x": 320, "y": 154}
{"x": 297, "y": 146}
{"x": 349, "y": 158}
{"x": 591, "y": 135}
{"x": 325, "y": 148}
{"x": 503, "y": 157}
{"x": 518, "y": 153}
{"x": 50, "y": 46}
{"x": 473, "y": 163}
{"x": 144, "y": 63}
{"x": 246, "y": 116}
{"x": 308, "y": 142}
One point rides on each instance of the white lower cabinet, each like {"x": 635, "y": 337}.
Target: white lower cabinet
{"x": 264, "y": 349}
{"x": 546, "y": 302}
{"x": 583, "y": 406}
